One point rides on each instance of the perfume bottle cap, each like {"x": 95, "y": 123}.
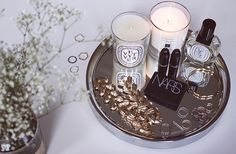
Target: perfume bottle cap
{"x": 207, "y": 32}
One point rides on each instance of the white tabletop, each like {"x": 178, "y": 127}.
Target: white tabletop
{"x": 73, "y": 128}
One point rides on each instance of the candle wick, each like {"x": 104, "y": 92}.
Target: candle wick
{"x": 131, "y": 27}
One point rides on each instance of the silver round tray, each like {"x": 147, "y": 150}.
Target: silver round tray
{"x": 192, "y": 120}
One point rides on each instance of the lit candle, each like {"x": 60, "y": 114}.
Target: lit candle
{"x": 170, "y": 31}
{"x": 130, "y": 27}
{"x": 170, "y": 22}
{"x": 131, "y": 32}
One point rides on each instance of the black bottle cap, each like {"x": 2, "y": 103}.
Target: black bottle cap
{"x": 164, "y": 57}
{"x": 207, "y": 32}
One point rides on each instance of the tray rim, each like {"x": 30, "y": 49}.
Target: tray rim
{"x": 133, "y": 138}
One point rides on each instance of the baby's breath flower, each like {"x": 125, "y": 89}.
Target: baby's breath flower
{"x": 26, "y": 71}
{"x": 11, "y": 84}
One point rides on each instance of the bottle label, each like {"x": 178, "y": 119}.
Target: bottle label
{"x": 130, "y": 56}
{"x": 199, "y": 53}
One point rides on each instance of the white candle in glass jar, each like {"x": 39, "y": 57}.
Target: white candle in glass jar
{"x": 170, "y": 23}
{"x": 131, "y": 33}
{"x": 130, "y": 27}
{"x": 170, "y": 27}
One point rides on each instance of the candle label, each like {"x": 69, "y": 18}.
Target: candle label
{"x": 130, "y": 56}
{"x": 163, "y": 42}
{"x": 168, "y": 43}
{"x": 122, "y": 76}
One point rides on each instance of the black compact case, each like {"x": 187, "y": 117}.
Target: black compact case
{"x": 165, "y": 91}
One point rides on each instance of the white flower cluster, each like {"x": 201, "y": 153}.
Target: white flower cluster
{"x": 25, "y": 70}
{"x": 15, "y": 92}
{"x": 40, "y": 50}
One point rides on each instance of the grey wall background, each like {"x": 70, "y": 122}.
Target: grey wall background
{"x": 73, "y": 128}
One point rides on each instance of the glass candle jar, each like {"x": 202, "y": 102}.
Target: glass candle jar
{"x": 170, "y": 22}
{"x": 131, "y": 33}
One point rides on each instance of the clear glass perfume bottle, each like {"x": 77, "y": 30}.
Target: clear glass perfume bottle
{"x": 203, "y": 46}
{"x": 201, "y": 51}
